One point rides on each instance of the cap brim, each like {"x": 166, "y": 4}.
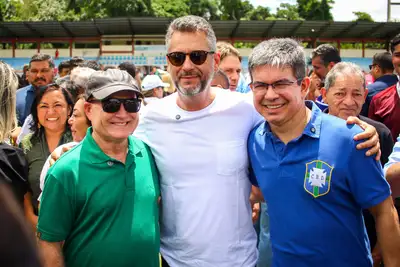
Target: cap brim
{"x": 105, "y": 92}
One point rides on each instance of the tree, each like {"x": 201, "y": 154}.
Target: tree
{"x": 315, "y": 9}
{"x": 259, "y": 13}
{"x": 363, "y": 16}
{"x": 169, "y": 9}
{"x": 204, "y": 8}
{"x": 235, "y": 9}
{"x": 288, "y": 12}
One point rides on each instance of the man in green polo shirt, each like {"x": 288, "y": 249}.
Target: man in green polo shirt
{"x": 99, "y": 204}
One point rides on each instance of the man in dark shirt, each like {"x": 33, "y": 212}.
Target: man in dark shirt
{"x": 382, "y": 71}
{"x": 41, "y": 73}
{"x": 385, "y": 106}
{"x": 345, "y": 94}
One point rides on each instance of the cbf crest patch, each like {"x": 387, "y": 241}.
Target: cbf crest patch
{"x": 317, "y": 181}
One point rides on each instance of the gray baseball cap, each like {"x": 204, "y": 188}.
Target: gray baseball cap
{"x": 102, "y": 84}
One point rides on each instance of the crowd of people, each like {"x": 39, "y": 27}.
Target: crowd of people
{"x": 196, "y": 166}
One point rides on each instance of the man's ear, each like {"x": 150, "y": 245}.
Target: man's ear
{"x": 323, "y": 93}
{"x": 88, "y": 110}
{"x": 330, "y": 65}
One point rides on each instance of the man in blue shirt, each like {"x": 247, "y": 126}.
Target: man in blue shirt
{"x": 311, "y": 175}
{"x": 382, "y": 71}
{"x": 40, "y": 73}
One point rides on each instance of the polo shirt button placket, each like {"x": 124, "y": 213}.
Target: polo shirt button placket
{"x": 313, "y": 130}
{"x": 110, "y": 163}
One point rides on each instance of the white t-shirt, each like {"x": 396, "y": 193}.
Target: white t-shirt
{"x": 203, "y": 163}
{"x": 26, "y": 128}
{"x": 46, "y": 165}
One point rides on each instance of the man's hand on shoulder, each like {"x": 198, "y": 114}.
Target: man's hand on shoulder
{"x": 371, "y": 136}
{"x": 56, "y": 154}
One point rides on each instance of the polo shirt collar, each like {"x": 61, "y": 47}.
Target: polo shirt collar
{"x": 313, "y": 127}
{"x": 96, "y": 155}
{"x": 31, "y": 88}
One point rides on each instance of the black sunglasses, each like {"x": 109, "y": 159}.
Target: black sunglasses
{"x": 112, "y": 105}
{"x": 198, "y": 57}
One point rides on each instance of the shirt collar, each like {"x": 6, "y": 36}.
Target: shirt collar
{"x": 398, "y": 87}
{"x": 31, "y": 88}
{"x": 96, "y": 155}
{"x": 313, "y": 127}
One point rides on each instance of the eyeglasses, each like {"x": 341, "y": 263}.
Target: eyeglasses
{"x": 370, "y": 66}
{"x": 112, "y": 105}
{"x": 198, "y": 57}
{"x": 276, "y": 86}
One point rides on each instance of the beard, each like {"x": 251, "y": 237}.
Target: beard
{"x": 193, "y": 90}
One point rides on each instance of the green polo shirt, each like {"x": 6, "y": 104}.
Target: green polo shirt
{"x": 106, "y": 211}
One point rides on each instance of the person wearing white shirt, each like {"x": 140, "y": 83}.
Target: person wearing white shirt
{"x": 153, "y": 88}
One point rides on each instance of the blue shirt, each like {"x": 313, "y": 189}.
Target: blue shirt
{"x": 379, "y": 85}
{"x": 243, "y": 86}
{"x": 320, "y": 103}
{"x": 25, "y": 97}
{"x": 316, "y": 187}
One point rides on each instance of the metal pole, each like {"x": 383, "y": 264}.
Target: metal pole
{"x": 388, "y": 10}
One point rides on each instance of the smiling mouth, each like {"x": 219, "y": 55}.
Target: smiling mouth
{"x": 52, "y": 119}
{"x": 120, "y": 123}
{"x": 274, "y": 106}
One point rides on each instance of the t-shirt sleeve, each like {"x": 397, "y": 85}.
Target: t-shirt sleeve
{"x": 56, "y": 211}
{"x": 365, "y": 177}
{"x": 252, "y": 177}
{"x": 394, "y": 156}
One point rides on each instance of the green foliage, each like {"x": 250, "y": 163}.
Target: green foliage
{"x": 170, "y": 9}
{"x": 259, "y": 13}
{"x": 287, "y": 12}
{"x": 363, "y": 16}
{"x": 315, "y": 9}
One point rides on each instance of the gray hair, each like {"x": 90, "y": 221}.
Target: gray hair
{"x": 8, "y": 89}
{"x": 343, "y": 68}
{"x": 281, "y": 53}
{"x": 192, "y": 24}
{"x": 80, "y": 76}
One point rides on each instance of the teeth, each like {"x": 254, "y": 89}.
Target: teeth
{"x": 52, "y": 119}
{"x": 274, "y": 107}
{"x": 120, "y": 123}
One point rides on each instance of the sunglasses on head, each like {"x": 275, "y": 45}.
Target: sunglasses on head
{"x": 112, "y": 105}
{"x": 198, "y": 57}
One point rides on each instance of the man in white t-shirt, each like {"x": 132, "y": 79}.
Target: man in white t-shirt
{"x": 198, "y": 137}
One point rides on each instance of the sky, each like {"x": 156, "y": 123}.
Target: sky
{"x": 343, "y": 9}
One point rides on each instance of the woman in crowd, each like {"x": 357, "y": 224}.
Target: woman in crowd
{"x": 13, "y": 165}
{"x": 79, "y": 124}
{"x": 17, "y": 241}
{"x": 50, "y": 112}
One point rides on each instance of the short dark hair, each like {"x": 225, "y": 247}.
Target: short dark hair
{"x": 42, "y": 57}
{"x": 224, "y": 77}
{"x": 76, "y": 61}
{"x": 128, "y": 67}
{"x": 64, "y": 65}
{"x": 91, "y": 64}
{"x": 327, "y": 53}
{"x": 384, "y": 61}
{"x": 394, "y": 42}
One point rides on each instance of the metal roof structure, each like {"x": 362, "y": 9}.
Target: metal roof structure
{"x": 238, "y": 30}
